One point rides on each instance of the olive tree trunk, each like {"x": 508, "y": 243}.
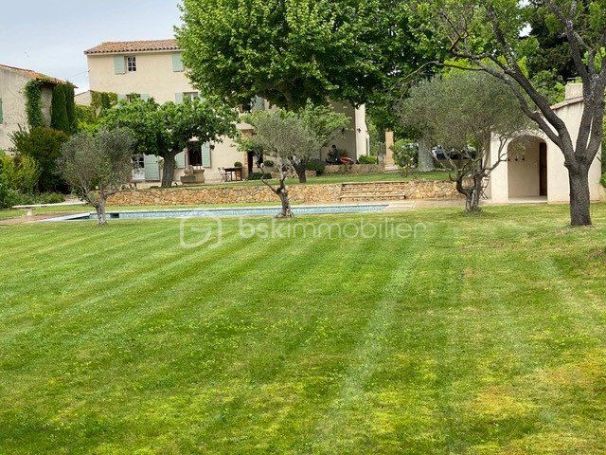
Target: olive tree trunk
{"x": 284, "y": 199}
{"x": 472, "y": 193}
{"x": 101, "y": 213}
{"x": 282, "y": 192}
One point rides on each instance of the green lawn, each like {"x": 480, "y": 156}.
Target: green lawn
{"x": 478, "y": 336}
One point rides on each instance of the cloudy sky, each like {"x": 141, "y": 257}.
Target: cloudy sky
{"x": 51, "y": 36}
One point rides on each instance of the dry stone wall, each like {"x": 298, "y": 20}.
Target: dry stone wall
{"x": 309, "y": 194}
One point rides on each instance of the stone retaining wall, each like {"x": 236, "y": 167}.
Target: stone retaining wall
{"x": 355, "y": 169}
{"x": 225, "y": 195}
{"x": 309, "y": 194}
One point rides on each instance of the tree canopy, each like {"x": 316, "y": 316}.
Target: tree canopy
{"x": 165, "y": 130}
{"x": 97, "y": 166}
{"x": 459, "y": 112}
{"x": 292, "y": 51}
{"x": 296, "y": 137}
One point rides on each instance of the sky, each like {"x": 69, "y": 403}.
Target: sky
{"x": 51, "y": 36}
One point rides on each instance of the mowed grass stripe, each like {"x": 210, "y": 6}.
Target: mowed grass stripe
{"x": 116, "y": 293}
{"x": 334, "y": 431}
{"x": 115, "y": 270}
{"x": 276, "y": 359}
{"x": 72, "y": 268}
{"x": 45, "y": 243}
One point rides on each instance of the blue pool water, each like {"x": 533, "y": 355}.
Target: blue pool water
{"x": 228, "y": 212}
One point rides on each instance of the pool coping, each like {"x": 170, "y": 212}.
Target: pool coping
{"x": 217, "y": 211}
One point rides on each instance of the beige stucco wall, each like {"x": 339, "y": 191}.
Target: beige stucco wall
{"x": 84, "y": 98}
{"x": 355, "y": 138}
{"x": 558, "y": 187}
{"x": 12, "y": 93}
{"x": 154, "y": 77}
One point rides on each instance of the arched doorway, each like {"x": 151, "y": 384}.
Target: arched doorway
{"x": 527, "y": 167}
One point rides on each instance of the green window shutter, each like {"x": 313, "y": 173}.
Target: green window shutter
{"x": 1, "y": 112}
{"x": 152, "y": 170}
{"x": 258, "y": 104}
{"x": 206, "y": 155}
{"x": 119, "y": 64}
{"x": 180, "y": 158}
{"x": 178, "y": 63}
{"x": 178, "y": 98}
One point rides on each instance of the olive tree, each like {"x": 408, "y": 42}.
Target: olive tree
{"x": 486, "y": 35}
{"x": 460, "y": 112}
{"x": 296, "y": 137}
{"x": 165, "y": 129}
{"x": 98, "y": 166}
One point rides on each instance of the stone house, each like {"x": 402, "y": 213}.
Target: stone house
{"x": 13, "y": 113}
{"x": 154, "y": 69}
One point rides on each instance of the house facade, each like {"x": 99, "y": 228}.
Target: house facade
{"x": 534, "y": 165}
{"x": 154, "y": 69}
{"x": 13, "y": 112}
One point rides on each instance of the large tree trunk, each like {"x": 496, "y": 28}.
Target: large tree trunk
{"x": 425, "y": 163}
{"x": 168, "y": 172}
{"x": 300, "y": 170}
{"x": 580, "y": 198}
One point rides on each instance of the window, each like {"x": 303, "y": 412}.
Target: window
{"x": 133, "y": 97}
{"x": 131, "y": 64}
{"x": 178, "y": 63}
{"x": 139, "y": 161}
{"x": 194, "y": 151}
{"x": 190, "y": 96}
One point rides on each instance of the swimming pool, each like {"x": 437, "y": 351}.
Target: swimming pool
{"x": 227, "y": 212}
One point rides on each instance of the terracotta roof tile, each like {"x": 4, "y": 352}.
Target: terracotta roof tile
{"x": 30, "y": 74}
{"x": 115, "y": 47}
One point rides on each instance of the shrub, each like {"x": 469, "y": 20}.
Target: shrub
{"x": 368, "y": 160}
{"x": 44, "y": 146}
{"x": 18, "y": 177}
{"x": 50, "y": 198}
{"x": 10, "y": 197}
{"x": 317, "y": 165}
{"x": 269, "y": 163}
{"x": 603, "y": 181}
{"x": 4, "y": 193}
{"x": 259, "y": 176}
{"x": 20, "y": 173}
{"x": 238, "y": 164}
{"x": 405, "y": 154}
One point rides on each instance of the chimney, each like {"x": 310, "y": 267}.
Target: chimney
{"x": 574, "y": 90}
